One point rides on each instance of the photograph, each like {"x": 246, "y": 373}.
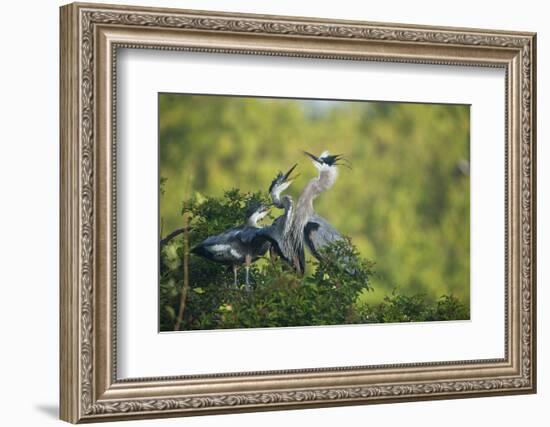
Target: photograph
{"x": 288, "y": 212}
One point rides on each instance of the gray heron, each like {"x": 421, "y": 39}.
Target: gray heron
{"x": 307, "y": 226}
{"x": 239, "y": 245}
{"x": 278, "y": 232}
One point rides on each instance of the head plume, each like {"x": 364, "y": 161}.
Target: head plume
{"x": 327, "y": 160}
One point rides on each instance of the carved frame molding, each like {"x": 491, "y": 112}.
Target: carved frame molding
{"x": 90, "y": 37}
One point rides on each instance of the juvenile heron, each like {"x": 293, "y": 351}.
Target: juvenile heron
{"x": 307, "y": 226}
{"x": 278, "y": 232}
{"x": 238, "y": 245}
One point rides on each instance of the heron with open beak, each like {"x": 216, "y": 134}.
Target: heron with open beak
{"x": 278, "y": 232}
{"x": 307, "y": 227}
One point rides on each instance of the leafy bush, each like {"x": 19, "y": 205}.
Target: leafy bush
{"x": 416, "y": 308}
{"x": 282, "y": 298}
{"x": 279, "y": 297}
{"x": 209, "y": 282}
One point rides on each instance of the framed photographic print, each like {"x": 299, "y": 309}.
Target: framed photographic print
{"x": 264, "y": 212}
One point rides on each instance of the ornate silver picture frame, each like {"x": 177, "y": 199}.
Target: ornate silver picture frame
{"x": 91, "y": 35}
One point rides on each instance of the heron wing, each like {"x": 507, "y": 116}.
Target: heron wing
{"x": 221, "y": 247}
{"x": 255, "y": 240}
{"x": 223, "y": 237}
{"x": 248, "y": 234}
{"x": 318, "y": 233}
{"x": 271, "y": 236}
{"x": 274, "y": 237}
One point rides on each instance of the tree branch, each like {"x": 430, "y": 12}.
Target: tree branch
{"x": 185, "y": 287}
{"x": 173, "y": 234}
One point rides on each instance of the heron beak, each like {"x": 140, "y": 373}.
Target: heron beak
{"x": 288, "y": 178}
{"x": 314, "y": 158}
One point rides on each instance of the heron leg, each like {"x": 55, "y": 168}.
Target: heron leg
{"x": 272, "y": 254}
{"x": 248, "y": 261}
{"x": 235, "y": 274}
{"x": 297, "y": 265}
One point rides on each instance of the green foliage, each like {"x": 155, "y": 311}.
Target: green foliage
{"x": 208, "y": 280}
{"x": 279, "y": 297}
{"x": 162, "y": 183}
{"x": 405, "y": 203}
{"x": 416, "y": 308}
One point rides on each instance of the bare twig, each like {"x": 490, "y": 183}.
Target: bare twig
{"x": 173, "y": 234}
{"x": 185, "y": 287}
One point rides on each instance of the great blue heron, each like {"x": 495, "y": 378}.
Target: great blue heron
{"x": 238, "y": 245}
{"x": 277, "y": 233}
{"x": 307, "y": 226}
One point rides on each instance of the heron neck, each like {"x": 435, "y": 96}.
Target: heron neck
{"x": 286, "y": 202}
{"x": 276, "y": 199}
{"x": 304, "y": 207}
{"x": 253, "y": 220}
{"x": 287, "y": 205}
{"x": 323, "y": 182}
{"x": 327, "y": 178}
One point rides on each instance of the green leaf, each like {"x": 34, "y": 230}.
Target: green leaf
{"x": 171, "y": 312}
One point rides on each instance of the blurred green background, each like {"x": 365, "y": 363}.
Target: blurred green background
{"x": 405, "y": 203}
